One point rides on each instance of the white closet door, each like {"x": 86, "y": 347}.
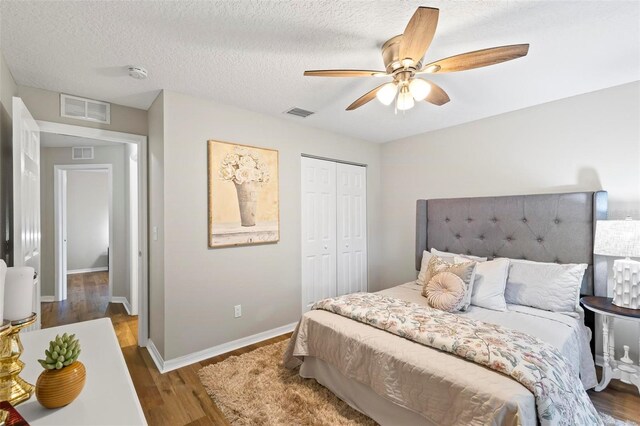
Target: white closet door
{"x": 318, "y": 231}
{"x": 352, "y": 228}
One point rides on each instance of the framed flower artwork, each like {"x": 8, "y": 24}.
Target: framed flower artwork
{"x": 243, "y": 195}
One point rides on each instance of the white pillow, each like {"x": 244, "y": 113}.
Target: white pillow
{"x": 449, "y": 257}
{"x": 549, "y": 286}
{"x": 424, "y": 265}
{"x": 489, "y": 283}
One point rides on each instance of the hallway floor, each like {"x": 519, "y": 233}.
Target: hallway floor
{"x": 87, "y": 299}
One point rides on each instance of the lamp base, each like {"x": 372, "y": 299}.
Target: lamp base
{"x": 12, "y": 387}
{"x": 626, "y": 279}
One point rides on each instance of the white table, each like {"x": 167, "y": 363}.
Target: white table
{"x": 108, "y": 397}
{"x": 613, "y": 368}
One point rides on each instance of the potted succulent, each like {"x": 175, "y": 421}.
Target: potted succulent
{"x": 64, "y": 376}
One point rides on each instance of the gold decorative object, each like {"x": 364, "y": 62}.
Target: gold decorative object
{"x": 12, "y": 387}
{"x": 4, "y": 331}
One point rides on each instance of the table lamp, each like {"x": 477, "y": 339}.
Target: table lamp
{"x": 621, "y": 238}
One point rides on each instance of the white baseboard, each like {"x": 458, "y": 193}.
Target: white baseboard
{"x": 124, "y": 301}
{"x": 599, "y": 360}
{"x": 47, "y": 299}
{"x": 155, "y": 355}
{"x": 183, "y": 361}
{"x": 84, "y": 271}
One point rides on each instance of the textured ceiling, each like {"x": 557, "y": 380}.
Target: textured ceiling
{"x": 252, "y": 54}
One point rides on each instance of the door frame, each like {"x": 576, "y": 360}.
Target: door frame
{"x": 60, "y": 223}
{"x": 143, "y": 241}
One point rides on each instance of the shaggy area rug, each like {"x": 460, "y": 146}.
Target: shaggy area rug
{"x": 256, "y": 389}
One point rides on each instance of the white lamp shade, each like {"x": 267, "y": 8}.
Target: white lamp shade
{"x": 405, "y": 100}
{"x": 419, "y": 89}
{"x": 617, "y": 238}
{"x": 387, "y": 93}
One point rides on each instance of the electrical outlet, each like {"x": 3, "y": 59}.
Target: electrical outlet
{"x": 237, "y": 311}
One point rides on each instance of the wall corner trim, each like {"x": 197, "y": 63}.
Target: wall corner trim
{"x": 155, "y": 355}
{"x": 124, "y": 301}
{"x": 183, "y": 361}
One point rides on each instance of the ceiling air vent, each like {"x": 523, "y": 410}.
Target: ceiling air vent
{"x": 82, "y": 153}
{"x": 85, "y": 109}
{"x": 299, "y": 112}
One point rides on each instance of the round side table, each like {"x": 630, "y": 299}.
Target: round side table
{"x": 623, "y": 369}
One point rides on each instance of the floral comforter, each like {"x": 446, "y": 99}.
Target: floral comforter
{"x": 538, "y": 366}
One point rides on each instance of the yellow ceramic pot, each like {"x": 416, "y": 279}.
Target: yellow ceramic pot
{"x": 57, "y": 388}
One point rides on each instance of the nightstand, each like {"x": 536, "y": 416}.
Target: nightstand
{"x": 612, "y": 368}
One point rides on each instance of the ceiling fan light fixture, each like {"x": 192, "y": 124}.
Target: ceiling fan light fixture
{"x": 387, "y": 93}
{"x": 419, "y": 89}
{"x": 432, "y": 68}
{"x": 407, "y": 62}
{"x": 403, "y": 57}
{"x": 405, "y": 99}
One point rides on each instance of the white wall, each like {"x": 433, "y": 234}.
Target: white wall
{"x": 87, "y": 219}
{"x": 584, "y": 143}
{"x": 202, "y": 285}
{"x": 156, "y": 219}
{"x": 113, "y": 155}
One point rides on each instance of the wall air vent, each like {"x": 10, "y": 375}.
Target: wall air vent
{"x": 82, "y": 153}
{"x": 299, "y": 112}
{"x": 85, "y": 109}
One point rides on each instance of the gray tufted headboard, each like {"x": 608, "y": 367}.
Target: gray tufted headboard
{"x": 544, "y": 228}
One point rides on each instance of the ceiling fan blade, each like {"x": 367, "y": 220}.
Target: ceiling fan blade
{"x": 419, "y": 33}
{"x": 364, "y": 98}
{"x": 477, "y": 59}
{"x": 344, "y": 73}
{"x": 437, "y": 95}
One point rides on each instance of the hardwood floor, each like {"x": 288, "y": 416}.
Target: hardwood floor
{"x": 87, "y": 299}
{"x": 178, "y": 397}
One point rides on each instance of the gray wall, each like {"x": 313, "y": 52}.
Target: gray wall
{"x": 202, "y": 285}
{"x": 87, "y": 219}
{"x": 113, "y": 155}
{"x": 583, "y": 143}
{"x": 156, "y": 218}
{"x": 8, "y": 90}
{"x": 45, "y": 105}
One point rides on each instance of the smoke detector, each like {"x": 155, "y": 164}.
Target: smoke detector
{"x": 137, "y": 72}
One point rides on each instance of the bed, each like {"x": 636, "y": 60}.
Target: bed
{"x": 397, "y": 381}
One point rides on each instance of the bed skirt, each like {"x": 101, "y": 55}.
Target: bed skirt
{"x": 359, "y": 396}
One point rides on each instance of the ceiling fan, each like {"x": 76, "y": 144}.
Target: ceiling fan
{"x": 403, "y": 55}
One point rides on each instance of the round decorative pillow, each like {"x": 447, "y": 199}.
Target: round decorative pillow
{"x": 445, "y": 291}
